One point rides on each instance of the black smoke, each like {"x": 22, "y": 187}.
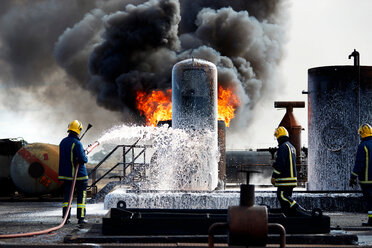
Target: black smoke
{"x": 114, "y": 48}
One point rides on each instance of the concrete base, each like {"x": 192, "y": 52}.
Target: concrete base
{"x": 348, "y": 202}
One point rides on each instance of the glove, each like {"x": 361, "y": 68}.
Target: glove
{"x": 273, "y": 181}
{"x": 352, "y": 182}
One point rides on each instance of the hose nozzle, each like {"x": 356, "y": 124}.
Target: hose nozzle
{"x": 91, "y": 147}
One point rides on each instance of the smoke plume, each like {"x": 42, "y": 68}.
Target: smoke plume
{"x": 56, "y": 50}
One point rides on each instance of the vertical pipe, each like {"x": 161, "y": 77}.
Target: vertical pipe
{"x": 222, "y": 150}
{"x": 124, "y": 163}
{"x": 144, "y": 155}
{"x": 132, "y": 169}
{"x": 355, "y": 54}
{"x": 246, "y": 195}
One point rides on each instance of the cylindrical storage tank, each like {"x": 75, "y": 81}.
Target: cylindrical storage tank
{"x": 194, "y": 108}
{"x": 194, "y": 95}
{"x": 34, "y": 168}
{"x": 339, "y": 101}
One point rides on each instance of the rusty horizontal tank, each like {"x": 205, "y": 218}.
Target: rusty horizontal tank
{"x": 339, "y": 101}
{"x": 34, "y": 169}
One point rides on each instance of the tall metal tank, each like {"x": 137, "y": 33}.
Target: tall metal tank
{"x": 194, "y": 107}
{"x": 339, "y": 101}
{"x": 194, "y": 95}
{"x": 34, "y": 168}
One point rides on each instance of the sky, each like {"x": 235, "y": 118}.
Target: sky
{"x": 320, "y": 33}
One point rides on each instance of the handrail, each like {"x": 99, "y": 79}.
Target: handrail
{"x": 110, "y": 153}
{"x": 125, "y": 152}
{"x": 139, "y": 154}
{"x": 107, "y": 172}
{"x": 104, "y": 159}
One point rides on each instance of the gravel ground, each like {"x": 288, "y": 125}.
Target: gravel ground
{"x": 21, "y": 217}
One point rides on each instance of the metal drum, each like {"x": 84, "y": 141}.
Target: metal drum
{"x": 34, "y": 168}
{"x": 339, "y": 101}
{"x": 248, "y": 226}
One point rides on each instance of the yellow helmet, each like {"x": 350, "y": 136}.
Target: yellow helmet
{"x": 75, "y": 126}
{"x": 280, "y": 131}
{"x": 365, "y": 130}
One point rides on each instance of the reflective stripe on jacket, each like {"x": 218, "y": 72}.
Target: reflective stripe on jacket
{"x": 285, "y": 172}
{"x": 363, "y": 167}
{"x": 71, "y": 152}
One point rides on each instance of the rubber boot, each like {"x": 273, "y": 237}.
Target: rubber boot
{"x": 299, "y": 211}
{"x": 82, "y": 221}
{"x": 64, "y": 209}
{"x": 369, "y": 223}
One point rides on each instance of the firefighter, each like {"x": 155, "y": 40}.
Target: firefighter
{"x": 71, "y": 153}
{"x": 285, "y": 175}
{"x": 363, "y": 168}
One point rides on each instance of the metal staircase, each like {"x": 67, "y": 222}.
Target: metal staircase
{"x": 133, "y": 168}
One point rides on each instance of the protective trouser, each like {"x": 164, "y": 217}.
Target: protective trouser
{"x": 367, "y": 194}
{"x": 81, "y": 187}
{"x": 287, "y": 204}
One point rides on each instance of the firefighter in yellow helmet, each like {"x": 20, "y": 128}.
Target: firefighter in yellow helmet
{"x": 285, "y": 175}
{"x": 71, "y": 153}
{"x": 363, "y": 168}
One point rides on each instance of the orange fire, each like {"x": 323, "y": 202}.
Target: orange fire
{"x": 157, "y": 105}
{"x": 227, "y": 104}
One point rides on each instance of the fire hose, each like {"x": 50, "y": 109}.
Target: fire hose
{"x": 45, "y": 231}
{"x": 28, "y": 234}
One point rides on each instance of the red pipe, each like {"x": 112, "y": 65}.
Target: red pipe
{"x": 282, "y": 232}
{"x": 212, "y": 229}
{"x": 19, "y": 235}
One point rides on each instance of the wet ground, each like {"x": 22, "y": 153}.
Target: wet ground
{"x": 17, "y": 217}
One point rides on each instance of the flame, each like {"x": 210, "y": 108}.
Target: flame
{"x": 227, "y": 104}
{"x": 157, "y": 105}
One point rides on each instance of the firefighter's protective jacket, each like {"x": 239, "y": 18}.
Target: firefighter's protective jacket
{"x": 71, "y": 153}
{"x": 363, "y": 164}
{"x": 285, "y": 172}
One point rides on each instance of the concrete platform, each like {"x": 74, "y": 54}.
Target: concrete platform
{"x": 330, "y": 201}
